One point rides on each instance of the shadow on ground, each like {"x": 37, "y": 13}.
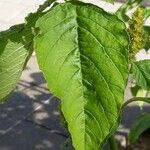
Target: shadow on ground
{"x": 30, "y": 119}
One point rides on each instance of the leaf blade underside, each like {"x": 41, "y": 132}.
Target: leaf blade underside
{"x": 80, "y": 63}
{"x": 141, "y": 73}
{"x": 13, "y": 54}
{"x": 16, "y": 47}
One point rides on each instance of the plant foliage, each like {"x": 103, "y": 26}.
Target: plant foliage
{"x": 78, "y": 53}
{"x": 83, "y": 52}
{"x": 141, "y": 73}
{"x": 138, "y": 127}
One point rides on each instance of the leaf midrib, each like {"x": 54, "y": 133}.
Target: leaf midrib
{"x": 77, "y": 17}
{"x": 81, "y": 73}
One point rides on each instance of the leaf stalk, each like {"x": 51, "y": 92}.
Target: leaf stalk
{"x": 112, "y": 143}
{"x": 134, "y": 99}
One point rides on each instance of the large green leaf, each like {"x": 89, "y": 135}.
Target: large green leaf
{"x": 141, "y": 73}
{"x": 16, "y": 46}
{"x": 13, "y": 54}
{"x": 138, "y": 127}
{"x": 147, "y": 13}
{"x": 82, "y": 51}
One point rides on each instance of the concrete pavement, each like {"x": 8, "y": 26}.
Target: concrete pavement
{"x": 13, "y": 11}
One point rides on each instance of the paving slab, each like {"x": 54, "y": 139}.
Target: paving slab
{"x": 14, "y": 11}
{"x": 49, "y": 116}
{"x": 27, "y": 136}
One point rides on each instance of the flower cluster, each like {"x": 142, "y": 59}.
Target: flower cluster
{"x": 137, "y": 33}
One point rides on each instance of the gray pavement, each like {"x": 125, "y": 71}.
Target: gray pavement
{"x": 30, "y": 119}
{"x": 13, "y": 11}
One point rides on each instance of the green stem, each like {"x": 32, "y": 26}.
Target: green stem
{"x": 144, "y": 99}
{"x": 129, "y": 5}
{"x": 45, "y": 5}
{"x": 112, "y": 143}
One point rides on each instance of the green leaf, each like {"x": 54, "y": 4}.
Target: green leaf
{"x": 141, "y": 73}
{"x": 12, "y": 58}
{"x": 142, "y": 93}
{"x": 137, "y": 91}
{"x": 125, "y": 7}
{"x": 46, "y": 4}
{"x": 138, "y": 127}
{"x": 82, "y": 51}
{"x": 111, "y": 1}
{"x": 147, "y": 31}
{"x": 147, "y": 13}
{"x": 16, "y": 46}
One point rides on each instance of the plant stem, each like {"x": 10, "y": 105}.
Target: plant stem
{"x": 112, "y": 143}
{"x": 144, "y": 99}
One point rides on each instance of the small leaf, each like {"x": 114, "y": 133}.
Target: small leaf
{"x": 13, "y": 55}
{"x": 139, "y": 92}
{"x": 111, "y": 1}
{"x": 125, "y": 7}
{"x": 147, "y": 31}
{"x": 83, "y": 53}
{"x": 147, "y": 13}
{"x": 141, "y": 73}
{"x": 138, "y": 127}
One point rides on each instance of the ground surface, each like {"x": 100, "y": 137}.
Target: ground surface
{"x": 30, "y": 119}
